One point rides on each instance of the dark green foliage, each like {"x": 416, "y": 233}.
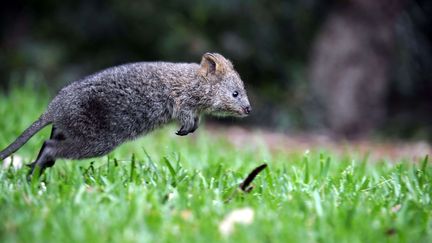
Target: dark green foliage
{"x": 55, "y": 42}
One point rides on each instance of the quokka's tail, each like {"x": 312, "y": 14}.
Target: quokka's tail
{"x": 25, "y": 136}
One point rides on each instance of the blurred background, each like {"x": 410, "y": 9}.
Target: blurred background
{"x": 349, "y": 68}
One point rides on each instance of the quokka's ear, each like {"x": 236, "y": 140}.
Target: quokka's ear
{"x": 213, "y": 63}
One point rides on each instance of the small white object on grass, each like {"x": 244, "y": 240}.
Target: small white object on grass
{"x": 42, "y": 188}
{"x": 15, "y": 162}
{"x": 396, "y": 208}
{"x": 238, "y": 216}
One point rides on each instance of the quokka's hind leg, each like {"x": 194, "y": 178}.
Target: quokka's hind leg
{"x": 66, "y": 148}
{"x": 43, "y": 161}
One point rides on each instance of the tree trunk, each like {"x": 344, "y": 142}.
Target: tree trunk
{"x": 350, "y": 61}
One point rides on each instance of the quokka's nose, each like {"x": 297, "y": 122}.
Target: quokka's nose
{"x": 247, "y": 109}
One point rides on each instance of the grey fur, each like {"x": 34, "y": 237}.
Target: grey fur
{"x": 94, "y": 115}
{"x": 25, "y": 136}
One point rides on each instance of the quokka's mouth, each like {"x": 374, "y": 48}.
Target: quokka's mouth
{"x": 247, "y": 109}
{"x": 241, "y": 113}
{"x": 244, "y": 111}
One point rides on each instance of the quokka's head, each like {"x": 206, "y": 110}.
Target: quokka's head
{"x": 228, "y": 95}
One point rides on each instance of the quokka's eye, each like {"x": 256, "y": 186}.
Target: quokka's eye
{"x": 235, "y": 94}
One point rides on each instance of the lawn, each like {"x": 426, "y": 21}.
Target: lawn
{"x": 166, "y": 188}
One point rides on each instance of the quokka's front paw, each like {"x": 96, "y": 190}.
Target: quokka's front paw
{"x": 182, "y": 132}
{"x": 188, "y": 127}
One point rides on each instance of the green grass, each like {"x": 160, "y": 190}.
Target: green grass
{"x": 142, "y": 191}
